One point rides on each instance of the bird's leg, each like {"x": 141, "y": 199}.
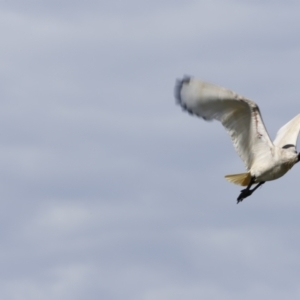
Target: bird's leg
{"x": 258, "y": 185}
{"x": 247, "y": 192}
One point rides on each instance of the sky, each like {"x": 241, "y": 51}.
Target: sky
{"x": 107, "y": 189}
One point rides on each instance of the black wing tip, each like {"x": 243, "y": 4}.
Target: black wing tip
{"x": 177, "y": 91}
{"x": 288, "y": 146}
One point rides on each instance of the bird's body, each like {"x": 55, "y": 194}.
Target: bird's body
{"x": 276, "y": 166}
{"x": 241, "y": 118}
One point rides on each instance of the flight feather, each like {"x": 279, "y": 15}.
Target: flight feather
{"x": 287, "y": 135}
{"x": 240, "y": 117}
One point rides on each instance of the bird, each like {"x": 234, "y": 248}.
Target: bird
{"x": 264, "y": 160}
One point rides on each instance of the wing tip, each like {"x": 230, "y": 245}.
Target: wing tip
{"x": 178, "y": 87}
{"x": 177, "y": 92}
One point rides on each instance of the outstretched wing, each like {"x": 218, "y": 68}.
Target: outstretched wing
{"x": 240, "y": 116}
{"x": 287, "y": 135}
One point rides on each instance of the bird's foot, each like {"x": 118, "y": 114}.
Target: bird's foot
{"x": 244, "y": 194}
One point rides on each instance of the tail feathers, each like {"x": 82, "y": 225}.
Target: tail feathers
{"x": 241, "y": 179}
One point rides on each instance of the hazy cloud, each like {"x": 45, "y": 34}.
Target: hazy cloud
{"x": 108, "y": 190}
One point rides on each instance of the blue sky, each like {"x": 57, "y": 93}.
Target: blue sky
{"x": 108, "y": 190}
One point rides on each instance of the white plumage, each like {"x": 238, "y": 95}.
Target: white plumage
{"x": 241, "y": 118}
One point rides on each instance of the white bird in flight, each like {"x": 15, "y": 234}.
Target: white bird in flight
{"x": 264, "y": 160}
